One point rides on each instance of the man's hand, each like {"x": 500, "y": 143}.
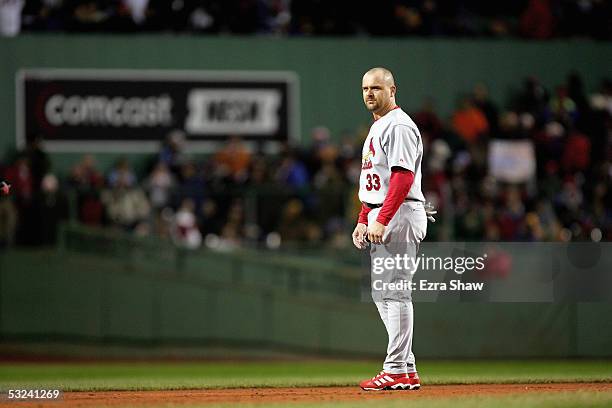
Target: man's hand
{"x": 430, "y": 210}
{"x": 359, "y": 236}
{"x": 375, "y": 232}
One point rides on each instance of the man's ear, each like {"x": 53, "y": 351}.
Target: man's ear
{"x": 393, "y": 90}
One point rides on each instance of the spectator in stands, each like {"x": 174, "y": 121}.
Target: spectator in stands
{"x": 469, "y": 122}
{"x": 570, "y": 197}
{"x": 349, "y": 159}
{"x": 90, "y": 15}
{"x": 486, "y": 106}
{"x": 159, "y": 186}
{"x": 533, "y": 98}
{"x": 209, "y": 219}
{"x": 294, "y": 226}
{"x": 509, "y": 126}
{"x": 233, "y": 160}
{"x": 51, "y": 208}
{"x": 137, "y": 10}
{"x": 232, "y": 233}
{"x": 548, "y": 222}
{"x": 266, "y": 193}
{"x": 511, "y": 219}
{"x": 39, "y": 162}
{"x": 598, "y": 124}
{"x": 185, "y": 232}
{"x": 204, "y": 18}
{"x": 537, "y": 21}
{"x": 259, "y": 172}
{"x": 44, "y": 15}
{"x": 191, "y": 184}
{"x": 436, "y": 180}
{"x": 320, "y": 137}
{"x": 549, "y": 147}
{"x": 575, "y": 91}
{"x": 122, "y": 173}
{"x": 19, "y": 176}
{"x": 602, "y": 206}
{"x": 428, "y": 121}
{"x": 562, "y": 107}
{"x": 602, "y": 99}
{"x": 470, "y": 225}
{"x": 8, "y": 221}
{"x": 275, "y": 16}
{"x": 84, "y": 174}
{"x": 576, "y": 153}
{"x": 327, "y": 173}
{"x": 171, "y": 153}
{"x": 328, "y": 176}
{"x": 10, "y": 17}
{"x": 88, "y": 182}
{"x": 126, "y": 204}
{"x": 292, "y": 172}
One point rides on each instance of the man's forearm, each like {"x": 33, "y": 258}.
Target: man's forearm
{"x": 399, "y": 186}
{"x": 363, "y": 214}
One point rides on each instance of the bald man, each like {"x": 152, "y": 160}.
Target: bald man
{"x": 393, "y": 220}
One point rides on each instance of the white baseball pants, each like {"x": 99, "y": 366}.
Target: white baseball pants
{"x": 406, "y": 230}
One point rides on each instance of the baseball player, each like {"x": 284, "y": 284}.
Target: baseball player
{"x": 393, "y": 220}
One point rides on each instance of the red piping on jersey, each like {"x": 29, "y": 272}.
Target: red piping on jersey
{"x": 399, "y": 186}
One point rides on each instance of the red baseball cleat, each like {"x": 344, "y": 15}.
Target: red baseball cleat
{"x": 386, "y": 381}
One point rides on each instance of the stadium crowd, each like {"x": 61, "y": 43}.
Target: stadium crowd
{"x": 242, "y": 197}
{"x": 539, "y": 19}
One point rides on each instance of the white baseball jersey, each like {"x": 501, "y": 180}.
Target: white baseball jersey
{"x": 394, "y": 141}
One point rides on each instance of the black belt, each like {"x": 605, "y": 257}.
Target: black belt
{"x": 373, "y": 206}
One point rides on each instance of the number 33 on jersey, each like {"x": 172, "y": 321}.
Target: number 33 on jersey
{"x": 393, "y": 141}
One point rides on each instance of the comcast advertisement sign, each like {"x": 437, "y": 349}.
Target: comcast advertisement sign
{"x": 119, "y": 109}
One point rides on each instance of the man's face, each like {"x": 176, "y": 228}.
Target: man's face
{"x": 377, "y": 93}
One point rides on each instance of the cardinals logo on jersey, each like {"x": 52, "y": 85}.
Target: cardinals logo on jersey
{"x": 366, "y": 159}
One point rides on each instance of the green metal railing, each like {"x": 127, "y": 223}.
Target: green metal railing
{"x": 315, "y": 275}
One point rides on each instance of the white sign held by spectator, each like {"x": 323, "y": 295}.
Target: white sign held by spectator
{"x": 512, "y": 161}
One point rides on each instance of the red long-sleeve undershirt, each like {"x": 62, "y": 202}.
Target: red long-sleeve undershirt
{"x": 363, "y": 214}
{"x": 399, "y": 187}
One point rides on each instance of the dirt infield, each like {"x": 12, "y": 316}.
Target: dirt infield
{"x": 321, "y": 394}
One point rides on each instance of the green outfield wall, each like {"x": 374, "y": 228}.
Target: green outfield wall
{"x": 110, "y": 291}
{"x": 329, "y": 70}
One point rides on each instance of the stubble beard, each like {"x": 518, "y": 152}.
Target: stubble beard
{"x": 374, "y": 107}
